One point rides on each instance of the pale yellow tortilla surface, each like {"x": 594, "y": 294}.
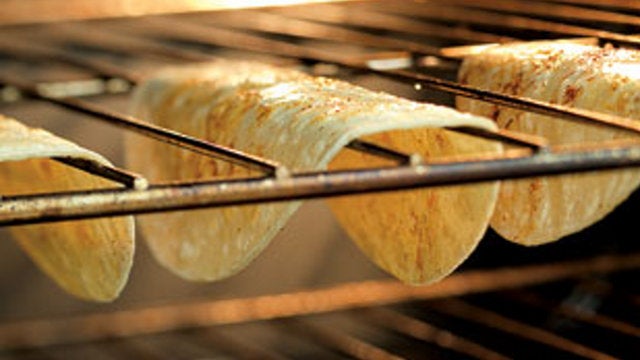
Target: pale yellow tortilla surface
{"x": 419, "y": 236}
{"x": 298, "y": 120}
{"x": 544, "y": 209}
{"x": 90, "y": 259}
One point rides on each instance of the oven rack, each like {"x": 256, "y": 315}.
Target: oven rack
{"x": 386, "y": 304}
{"x": 320, "y": 320}
{"x": 371, "y": 25}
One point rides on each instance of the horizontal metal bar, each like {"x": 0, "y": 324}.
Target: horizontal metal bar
{"x": 380, "y": 151}
{"x": 166, "y": 135}
{"x": 424, "y": 331}
{"x": 506, "y": 136}
{"x": 377, "y": 20}
{"x": 516, "y": 102}
{"x": 567, "y": 12}
{"x": 36, "y": 11}
{"x": 173, "y": 29}
{"x": 132, "y": 348}
{"x": 132, "y": 322}
{"x": 28, "y": 209}
{"x": 338, "y": 340}
{"x": 236, "y": 348}
{"x": 172, "y": 137}
{"x": 285, "y": 25}
{"x": 124, "y": 177}
{"x": 22, "y": 47}
{"x": 621, "y": 4}
{"x": 459, "y": 14}
{"x": 99, "y": 37}
{"x": 531, "y": 299}
{"x": 467, "y": 311}
{"x": 460, "y": 52}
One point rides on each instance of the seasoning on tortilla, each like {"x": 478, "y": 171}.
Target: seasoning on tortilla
{"x": 90, "y": 259}
{"x": 303, "y": 122}
{"x": 544, "y": 209}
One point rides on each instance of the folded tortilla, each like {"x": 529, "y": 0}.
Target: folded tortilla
{"x": 303, "y": 122}
{"x": 90, "y": 259}
{"x": 543, "y": 209}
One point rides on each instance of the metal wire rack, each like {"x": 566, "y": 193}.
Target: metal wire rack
{"x": 375, "y": 319}
{"x": 414, "y": 43}
{"x": 158, "y": 36}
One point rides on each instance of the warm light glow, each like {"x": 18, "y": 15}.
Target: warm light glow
{"x": 236, "y": 4}
{"x": 33, "y": 11}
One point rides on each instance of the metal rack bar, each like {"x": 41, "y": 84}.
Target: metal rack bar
{"x": 516, "y": 102}
{"x": 153, "y": 131}
{"x": 402, "y": 25}
{"x": 125, "y": 177}
{"x": 24, "y": 47}
{"x": 29, "y": 209}
{"x": 101, "y": 38}
{"x": 488, "y": 18}
{"x": 279, "y": 24}
{"x": 502, "y": 18}
{"x": 125, "y": 323}
{"x": 508, "y": 137}
{"x": 531, "y": 299}
{"x": 383, "y": 152}
{"x": 464, "y": 310}
{"x": 339, "y": 341}
{"x": 15, "y": 11}
{"x": 231, "y": 346}
{"x": 421, "y": 330}
{"x": 176, "y": 346}
{"x": 250, "y": 41}
{"x": 567, "y": 12}
{"x": 622, "y": 4}
{"x": 131, "y": 348}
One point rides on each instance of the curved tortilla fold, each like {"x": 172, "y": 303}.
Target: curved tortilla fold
{"x": 302, "y": 122}
{"x": 90, "y": 259}
{"x": 543, "y": 209}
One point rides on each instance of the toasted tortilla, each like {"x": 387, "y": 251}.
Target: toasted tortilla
{"x": 90, "y": 259}
{"x": 419, "y": 236}
{"x": 303, "y": 122}
{"x": 544, "y": 209}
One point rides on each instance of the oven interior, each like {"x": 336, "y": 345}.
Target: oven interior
{"x": 312, "y": 294}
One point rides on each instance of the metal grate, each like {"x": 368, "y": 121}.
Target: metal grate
{"x": 569, "y": 310}
{"x": 378, "y": 319}
{"x": 382, "y": 40}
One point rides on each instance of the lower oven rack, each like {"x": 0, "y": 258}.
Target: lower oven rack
{"x": 544, "y": 310}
